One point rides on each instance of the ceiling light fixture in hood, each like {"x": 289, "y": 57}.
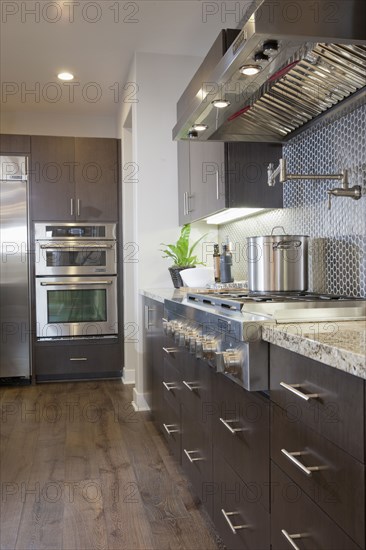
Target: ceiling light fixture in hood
{"x": 250, "y": 70}
{"x": 220, "y": 103}
{"x": 199, "y": 127}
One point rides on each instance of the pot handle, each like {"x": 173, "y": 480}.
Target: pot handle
{"x": 286, "y": 245}
{"x": 278, "y": 227}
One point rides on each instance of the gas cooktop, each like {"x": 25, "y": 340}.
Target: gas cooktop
{"x": 283, "y": 307}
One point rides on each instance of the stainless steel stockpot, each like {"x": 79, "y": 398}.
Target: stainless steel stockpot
{"x": 278, "y": 263}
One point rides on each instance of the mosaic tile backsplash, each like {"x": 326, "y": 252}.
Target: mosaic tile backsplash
{"x": 337, "y": 252}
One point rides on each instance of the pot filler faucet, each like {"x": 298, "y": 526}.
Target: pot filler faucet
{"x": 343, "y": 191}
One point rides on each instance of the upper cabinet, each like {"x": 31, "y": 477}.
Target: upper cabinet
{"x": 201, "y": 176}
{"x": 12, "y": 144}
{"x": 74, "y": 179}
{"x": 214, "y": 175}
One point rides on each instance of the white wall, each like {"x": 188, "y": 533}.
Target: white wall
{"x": 150, "y": 202}
{"x": 56, "y": 124}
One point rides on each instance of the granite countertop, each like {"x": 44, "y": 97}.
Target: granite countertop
{"x": 341, "y": 345}
{"x": 161, "y": 294}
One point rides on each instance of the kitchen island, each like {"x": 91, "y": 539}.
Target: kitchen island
{"x": 307, "y": 432}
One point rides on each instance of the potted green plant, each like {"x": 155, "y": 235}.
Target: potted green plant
{"x": 181, "y": 254}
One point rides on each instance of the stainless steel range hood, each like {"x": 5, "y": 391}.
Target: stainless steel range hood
{"x": 311, "y": 56}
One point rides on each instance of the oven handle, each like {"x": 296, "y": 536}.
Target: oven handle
{"x": 61, "y": 283}
{"x": 75, "y": 246}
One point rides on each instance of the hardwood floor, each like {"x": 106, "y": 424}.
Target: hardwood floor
{"x": 80, "y": 469}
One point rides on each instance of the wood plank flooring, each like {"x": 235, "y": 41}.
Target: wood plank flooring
{"x": 81, "y": 470}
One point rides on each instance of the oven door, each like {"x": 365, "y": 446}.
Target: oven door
{"x": 76, "y": 306}
{"x": 76, "y": 258}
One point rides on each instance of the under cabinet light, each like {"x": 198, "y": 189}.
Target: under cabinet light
{"x": 232, "y": 214}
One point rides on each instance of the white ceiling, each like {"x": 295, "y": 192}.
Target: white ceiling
{"x": 34, "y": 49}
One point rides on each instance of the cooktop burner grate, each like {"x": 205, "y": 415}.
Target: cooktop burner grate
{"x": 241, "y": 300}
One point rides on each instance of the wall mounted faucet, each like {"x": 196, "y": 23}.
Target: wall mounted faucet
{"x": 343, "y": 191}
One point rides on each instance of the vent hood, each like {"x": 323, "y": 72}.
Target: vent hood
{"x": 311, "y": 56}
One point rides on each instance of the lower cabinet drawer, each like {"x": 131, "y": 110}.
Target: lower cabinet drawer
{"x": 171, "y": 429}
{"x": 54, "y": 361}
{"x": 326, "y": 399}
{"x": 335, "y": 480}
{"x": 297, "y": 522}
{"x": 197, "y": 458}
{"x": 172, "y": 385}
{"x": 241, "y": 433}
{"x": 240, "y": 519}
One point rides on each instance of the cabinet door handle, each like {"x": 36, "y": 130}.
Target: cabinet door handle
{"x": 233, "y": 431}
{"x": 234, "y": 528}
{"x": 170, "y": 386}
{"x": 147, "y": 317}
{"x": 171, "y": 428}
{"x": 217, "y": 186}
{"x": 71, "y": 207}
{"x": 293, "y": 389}
{"x": 192, "y": 386}
{"x": 188, "y": 454}
{"x": 290, "y": 538}
{"x": 78, "y": 207}
{"x": 170, "y": 350}
{"x": 305, "y": 469}
{"x": 188, "y": 205}
{"x": 185, "y": 204}
{"x": 78, "y": 359}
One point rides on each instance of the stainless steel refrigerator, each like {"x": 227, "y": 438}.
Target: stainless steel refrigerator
{"x": 14, "y": 270}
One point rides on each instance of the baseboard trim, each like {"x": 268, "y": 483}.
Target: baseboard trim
{"x": 139, "y": 402}
{"x": 128, "y": 376}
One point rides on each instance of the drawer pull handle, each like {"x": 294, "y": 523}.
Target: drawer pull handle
{"x": 227, "y": 423}
{"x": 293, "y": 389}
{"x": 78, "y": 359}
{"x": 192, "y": 386}
{"x": 171, "y": 428}
{"x": 188, "y": 454}
{"x": 170, "y": 386}
{"x": 170, "y": 350}
{"x": 234, "y": 528}
{"x": 307, "y": 470}
{"x": 290, "y": 538}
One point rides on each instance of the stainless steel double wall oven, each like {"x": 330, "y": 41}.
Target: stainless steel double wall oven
{"x": 76, "y": 280}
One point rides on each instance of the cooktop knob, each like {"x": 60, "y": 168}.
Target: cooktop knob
{"x": 228, "y": 361}
{"x": 208, "y": 348}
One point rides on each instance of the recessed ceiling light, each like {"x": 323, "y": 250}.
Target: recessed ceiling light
{"x": 250, "y": 70}
{"x": 220, "y": 103}
{"x": 200, "y": 127}
{"x": 65, "y": 76}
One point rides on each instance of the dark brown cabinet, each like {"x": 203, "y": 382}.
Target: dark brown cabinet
{"x": 238, "y": 515}
{"x": 215, "y": 175}
{"x": 317, "y": 451}
{"x": 295, "y": 517}
{"x": 153, "y": 336}
{"x": 14, "y": 144}
{"x": 74, "y": 179}
{"x": 76, "y": 360}
{"x": 241, "y": 465}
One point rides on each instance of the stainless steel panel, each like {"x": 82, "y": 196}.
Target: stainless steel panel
{"x": 75, "y": 231}
{"x": 331, "y": 51}
{"x": 76, "y": 257}
{"x": 45, "y": 329}
{"x": 14, "y": 289}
